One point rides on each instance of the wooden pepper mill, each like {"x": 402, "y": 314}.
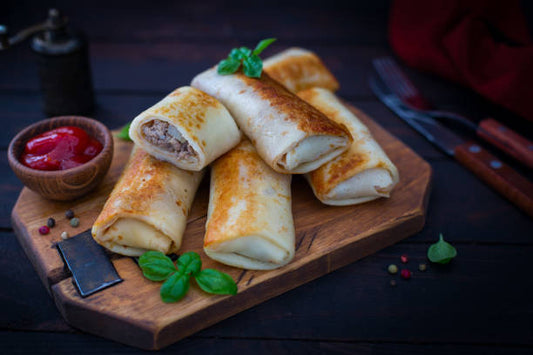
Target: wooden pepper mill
{"x": 63, "y": 63}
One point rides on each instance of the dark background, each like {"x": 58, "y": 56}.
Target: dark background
{"x": 141, "y": 50}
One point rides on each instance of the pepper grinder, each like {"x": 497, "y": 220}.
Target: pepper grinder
{"x": 63, "y": 63}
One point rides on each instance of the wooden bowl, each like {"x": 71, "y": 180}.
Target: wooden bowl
{"x": 67, "y": 184}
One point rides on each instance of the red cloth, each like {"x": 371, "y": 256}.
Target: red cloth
{"x": 481, "y": 44}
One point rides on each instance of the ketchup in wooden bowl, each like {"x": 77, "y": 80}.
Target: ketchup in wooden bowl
{"x": 62, "y": 158}
{"x": 60, "y": 149}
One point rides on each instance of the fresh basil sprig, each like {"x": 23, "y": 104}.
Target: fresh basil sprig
{"x": 251, "y": 63}
{"x": 441, "y": 252}
{"x": 124, "y": 132}
{"x": 156, "y": 266}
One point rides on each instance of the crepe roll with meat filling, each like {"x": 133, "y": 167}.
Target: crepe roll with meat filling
{"x": 249, "y": 220}
{"x": 363, "y": 173}
{"x": 290, "y": 135}
{"x": 299, "y": 69}
{"x": 188, "y": 128}
{"x": 148, "y": 208}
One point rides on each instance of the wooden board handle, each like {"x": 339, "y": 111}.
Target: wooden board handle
{"x": 507, "y": 140}
{"x": 496, "y": 174}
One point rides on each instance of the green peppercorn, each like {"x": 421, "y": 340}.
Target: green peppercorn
{"x": 392, "y": 269}
{"x": 422, "y": 267}
{"x": 74, "y": 222}
{"x": 51, "y": 222}
{"x": 69, "y": 214}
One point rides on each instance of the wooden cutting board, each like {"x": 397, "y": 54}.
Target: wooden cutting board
{"x": 132, "y": 312}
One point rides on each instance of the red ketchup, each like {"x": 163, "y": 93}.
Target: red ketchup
{"x": 59, "y": 149}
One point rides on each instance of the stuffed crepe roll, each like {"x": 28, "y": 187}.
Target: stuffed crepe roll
{"x": 188, "y": 128}
{"x": 363, "y": 173}
{"x": 290, "y": 135}
{"x": 249, "y": 220}
{"x": 299, "y": 69}
{"x": 148, "y": 207}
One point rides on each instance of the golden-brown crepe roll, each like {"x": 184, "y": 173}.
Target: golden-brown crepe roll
{"x": 249, "y": 220}
{"x": 148, "y": 208}
{"x": 361, "y": 174}
{"x": 290, "y": 135}
{"x": 299, "y": 69}
{"x": 188, "y": 128}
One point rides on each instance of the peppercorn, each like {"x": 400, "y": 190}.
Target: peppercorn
{"x": 44, "y": 230}
{"x": 51, "y": 222}
{"x": 422, "y": 267}
{"x": 404, "y": 259}
{"x": 69, "y": 214}
{"x": 392, "y": 269}
{"x": 74, "y": 222}
{"x": 393, "y": 283}
{"x": 405, "y": 274}
{"x": 64, "y": 235}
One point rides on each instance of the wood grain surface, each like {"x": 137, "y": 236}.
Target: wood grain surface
{"x": 327, "y": 239}
{"x": 478, "y": 304}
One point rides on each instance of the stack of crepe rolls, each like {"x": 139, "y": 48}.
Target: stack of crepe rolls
{"x": 361, "y": 174}
{"x": 290, "y": 135}
{"x": 249, "y": 220}
{"x": 188, "y": 128}
{"x": 148, "y": 207}
{"x": 299, "y": 69}
{"x": 249, "y": 223}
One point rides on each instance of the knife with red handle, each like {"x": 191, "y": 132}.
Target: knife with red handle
{"x": 471, "y": 155}
{"x": 507, "y": 140}
{"x": 490, "y": 130}
{"x": 496, "y": 174}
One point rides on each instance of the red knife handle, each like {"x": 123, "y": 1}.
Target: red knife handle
{"x": 497, "y": 175}
{"x": 507, "y": 140}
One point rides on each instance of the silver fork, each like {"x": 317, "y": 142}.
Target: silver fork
{"x": 488, "y": 129}
{"x": 398, "y": 82}
{"x": 394, "y": 77}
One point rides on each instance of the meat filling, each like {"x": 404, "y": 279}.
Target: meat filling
{"x": 166, "y": 137}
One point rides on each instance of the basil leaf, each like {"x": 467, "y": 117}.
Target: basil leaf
{"x": 441, "y": 252}
{"x": 156, "y": 266}
{"x": 175, "y": 288}
{"x": 228, "y": 66}
{"x": 190, "y": 263}
{"x": 239, "y": 53}
{"x": 253, "y": 66}
{"x": 216, "y": 282}
{"x": 261, "y": 46}
{"x": 125, "y": 132}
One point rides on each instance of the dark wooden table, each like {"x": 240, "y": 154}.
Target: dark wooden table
{"x": 140, "y": 50}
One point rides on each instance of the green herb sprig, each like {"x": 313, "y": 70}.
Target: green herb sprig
{"x": 252, "y": 65}
{"x": 124, "y": 132}
{"x": 156, "y": 266}
{"x": 441, "y": 252}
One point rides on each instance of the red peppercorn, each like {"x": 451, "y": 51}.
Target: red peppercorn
{"x": 405, "y": 274}
{"x": 44, "y": 230}
{"x": 404, "y": 259}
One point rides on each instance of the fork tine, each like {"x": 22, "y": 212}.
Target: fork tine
{"x": 395, "y": 78}
{"x": 406, "y": 84}
{"x": 390, "y": 74}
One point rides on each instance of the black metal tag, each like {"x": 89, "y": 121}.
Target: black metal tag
{"x": 89, "y": 264}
